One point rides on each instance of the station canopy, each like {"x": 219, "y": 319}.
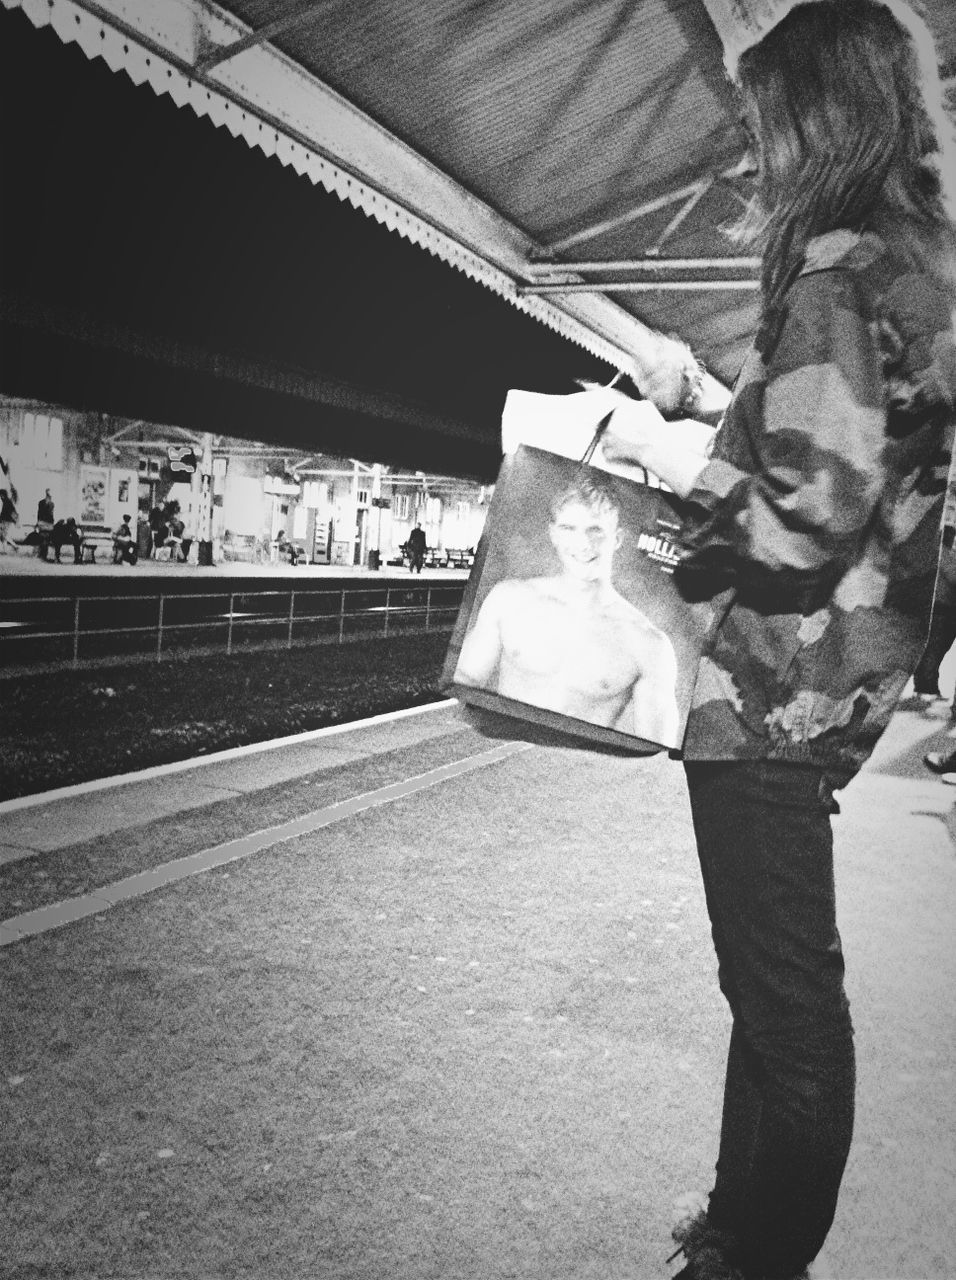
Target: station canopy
{"x": 351, "y": 227}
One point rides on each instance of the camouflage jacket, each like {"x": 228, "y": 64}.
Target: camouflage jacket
{"x": 814, "y": 529}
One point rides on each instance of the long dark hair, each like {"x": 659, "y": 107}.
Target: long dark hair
{"x": 845, "y": 104}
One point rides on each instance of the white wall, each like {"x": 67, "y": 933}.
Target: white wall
{"x": 245, "y": 508}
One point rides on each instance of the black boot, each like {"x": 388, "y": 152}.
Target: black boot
{"x": 708, "y": 1250}
{"x": 711, "y": 1253}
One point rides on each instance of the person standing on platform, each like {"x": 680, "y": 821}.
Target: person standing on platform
{"x": 44, "y": 526}
{"x": 814, "y": 530}
{"x": 417, "y": 546}
{"x": 158, "y": 527}
{"x": 45, "y": 509}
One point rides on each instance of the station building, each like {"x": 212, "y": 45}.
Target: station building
{"x": 235, "y": 496}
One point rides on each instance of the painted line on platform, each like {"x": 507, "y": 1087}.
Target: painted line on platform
{"x": 214, "y": 757}
{"x": 30, "y": 923}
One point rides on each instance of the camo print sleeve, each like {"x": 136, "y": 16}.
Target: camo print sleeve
{"x": 796, "y": 471}
{"x": 814, "y": 530}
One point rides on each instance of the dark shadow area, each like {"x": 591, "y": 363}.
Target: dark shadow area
{"x": 166, "y": 270}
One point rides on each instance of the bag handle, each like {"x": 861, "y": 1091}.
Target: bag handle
{"x": 595, "y": 439}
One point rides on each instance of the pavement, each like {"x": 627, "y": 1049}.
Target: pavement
{"x": 486, "y": 1001}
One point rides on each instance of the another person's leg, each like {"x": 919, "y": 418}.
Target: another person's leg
{"x": 942, "y": 636}
{"x": 766, "y": 852}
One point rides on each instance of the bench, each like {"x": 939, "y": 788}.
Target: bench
{"x": 245, "y": 547}
{"x": 459, "y": 558}
{"x": 281, "y": 551}
{"x": 96, "y": 537}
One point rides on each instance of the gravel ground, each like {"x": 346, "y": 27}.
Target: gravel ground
{"x": 64, "y": 726}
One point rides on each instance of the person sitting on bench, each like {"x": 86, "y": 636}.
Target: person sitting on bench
{"x": 125, "y": 550}
{"x": 286, "y": 548}
{"x": 65, "y": 533}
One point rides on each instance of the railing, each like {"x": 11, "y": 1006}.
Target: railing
{"x": 84, "y": 630}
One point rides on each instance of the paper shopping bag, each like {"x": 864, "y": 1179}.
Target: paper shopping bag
{"x": 571, "y": 622}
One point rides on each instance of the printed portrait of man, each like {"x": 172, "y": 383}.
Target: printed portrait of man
{"x": 568, "y": 641}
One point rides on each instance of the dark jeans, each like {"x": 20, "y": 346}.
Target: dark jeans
{"x": 76, "y": 544}
{"x": 766, "y": 853}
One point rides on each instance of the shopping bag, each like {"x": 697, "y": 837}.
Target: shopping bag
{"x": 572, "y": 630}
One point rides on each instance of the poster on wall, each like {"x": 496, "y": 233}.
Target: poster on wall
{"x": 124, "y": 496}
{"x": 94, "y": 483}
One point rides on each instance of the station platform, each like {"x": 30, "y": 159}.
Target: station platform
{"x": 398, "y": 1001}
{"x": 20, "y": 565}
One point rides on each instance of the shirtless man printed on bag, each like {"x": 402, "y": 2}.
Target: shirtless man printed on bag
{"x": 570, "y": 642}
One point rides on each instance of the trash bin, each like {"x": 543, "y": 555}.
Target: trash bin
{"x": 205, "y": 553}
{"x": 374, "y": 560}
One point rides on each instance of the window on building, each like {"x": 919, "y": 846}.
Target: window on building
{"x": 361, "y": 497}
{"x": 400, "y": 506}
{"x": 43, "y": 436}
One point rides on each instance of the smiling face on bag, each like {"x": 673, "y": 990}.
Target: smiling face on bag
{"x": 585, "y": 539}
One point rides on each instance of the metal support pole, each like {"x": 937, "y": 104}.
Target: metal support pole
{"x": 388, "y": 597}
{"x": 428, "y": 606}
{"x": 229, "y": 633}
{"x": 291, "y": 616}
{"x": 159, "y": 631}
{"x": 76, "y": 631}
{"x": 342, "y": 616}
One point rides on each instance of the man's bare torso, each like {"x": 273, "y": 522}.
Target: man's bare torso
{"x": 579, "y": 656}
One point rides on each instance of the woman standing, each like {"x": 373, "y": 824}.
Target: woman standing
{"x": 814, "y": 532}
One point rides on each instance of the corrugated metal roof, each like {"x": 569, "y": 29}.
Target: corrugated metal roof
{"x": 585, "y": 131}
{"x": 561, "y": 116}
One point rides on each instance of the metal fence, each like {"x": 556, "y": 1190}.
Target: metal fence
{"x": 85, "y": 630}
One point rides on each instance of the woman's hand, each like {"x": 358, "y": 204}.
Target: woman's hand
{"x": 675, "y": 452}
{"x": 632, "y": 432}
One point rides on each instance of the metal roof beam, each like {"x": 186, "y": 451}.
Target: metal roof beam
{"x": 124, "y": 436}
{"x": 684, "y": 212}
{"x": 657, "y": 265}
{"x": 641, "y": 286}
{"x": 622, "y": 219}
{"x": 261, "y": 35}
{"x": 688, "y": 196}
